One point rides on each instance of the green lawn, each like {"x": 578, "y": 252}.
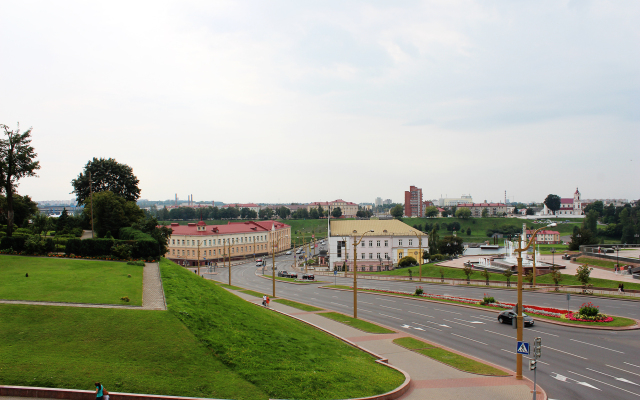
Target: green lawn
{"x": 283, "y": 357}
{"x": 597, "y": 262}
{"x": 253, "y": 293}
{"x": 295, "y": 304}
{"x": 356, "y": 323}
{"x": 447, "y": 357}
{"x": 68, "y": 280}
{"x": 134, "y": 351}
{"x": 224, "y": 285}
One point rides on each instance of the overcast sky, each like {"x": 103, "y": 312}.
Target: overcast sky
{"x": 297, "y": 101}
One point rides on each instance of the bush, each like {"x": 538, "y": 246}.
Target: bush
{"x": 419, "y": 291}
{"x": 16, "y": 243}
{"x": 138, "y": 263}
{"x": 146, "y": 249}
{"x": 34, "y": 245}
{"x": 437, "y": 257}
{"x": 407, "y": 261}
{"x": 121, "y": 251}
{"x": 125, "y": 299}
{"x": 588, "y": 310}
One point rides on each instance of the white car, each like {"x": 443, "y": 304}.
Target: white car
{"x": 288, "y": 253}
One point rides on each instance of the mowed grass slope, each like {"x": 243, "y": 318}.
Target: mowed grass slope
{"x": 282, "y": 356}
{"x": 134, "y": 351}
{"x": 69, "y": 280}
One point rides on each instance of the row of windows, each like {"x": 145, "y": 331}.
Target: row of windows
{"x": 193, "y": 253}
{"x": 386, "y": 243}
{"x": 262, "y": 238}
{"x": 364, "y": 256}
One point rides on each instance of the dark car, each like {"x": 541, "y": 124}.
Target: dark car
{"x": 293, "y": 275}
{"x": 308, "y": 277}
{"x": 283, "y": 274}
{"x": 507, "y": 316}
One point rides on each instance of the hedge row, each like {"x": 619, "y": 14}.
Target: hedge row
{"x": 102, "y": 247}
{"x": 17, "y": 243}
{"x": 133, "y": 234}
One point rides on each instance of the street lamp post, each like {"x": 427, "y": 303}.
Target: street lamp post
{"x": 229, "y": 257}
{"x": 553, "y": 256}
{"x": 519, "y": 319}
{"x": 355, "y": 271}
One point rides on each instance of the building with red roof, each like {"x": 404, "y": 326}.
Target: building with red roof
{"x": 348, "y": 208}
{"x": 199, "y": 244}
{"x": 545, "y": 237}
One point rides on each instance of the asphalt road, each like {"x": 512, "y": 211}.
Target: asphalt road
{"x": 576, "y": 363}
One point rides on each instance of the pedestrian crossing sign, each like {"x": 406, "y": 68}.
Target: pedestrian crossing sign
{"x": 522, "y": 348}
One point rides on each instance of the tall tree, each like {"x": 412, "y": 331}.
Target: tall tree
{"x": 112, "y": 212}
{"x": 336, "y": 213}
{"x": 397, "y": 211}
{"x": 552, "y": 202}
{"x": 591, "y": 222}
{"x": 106, "y": 174}
{"x": 320, "y": 211}
{"x": 431, "y": 211}
{"x": 463, "y": 212}
{"x": 17, "y": 161}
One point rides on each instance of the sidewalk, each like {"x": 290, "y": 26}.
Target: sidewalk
{"x": 429, "y": 378}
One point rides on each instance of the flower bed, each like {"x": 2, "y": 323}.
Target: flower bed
{"x": 535, "y": 310}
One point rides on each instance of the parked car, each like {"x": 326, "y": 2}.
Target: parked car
{"x": 308, "y": 277}
{"x": 283, "y": 274}
{"x": 288, "y": 253}
{"x": 507, "y": 316}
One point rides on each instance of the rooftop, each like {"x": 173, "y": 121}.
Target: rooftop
{"x": 230, "y": 228}
{"x": 379, "y": 227}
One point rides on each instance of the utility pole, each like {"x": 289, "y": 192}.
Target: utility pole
{"x": 91, "y": 194}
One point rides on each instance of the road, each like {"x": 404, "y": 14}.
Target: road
{"x": 576, "y": 363}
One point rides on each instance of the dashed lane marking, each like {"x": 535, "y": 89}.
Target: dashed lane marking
{"x": 452, "y": 312}
{"x": 604, "y": 383}
{"x": 629, "y": 372}
{"x": 454, "y": 322}
{"x": 385, "y": 315}
{"x": 561, "y": 351}
{"x": 473, "y": 340}
{"x": 423, "y": 315}
{"x": 595, "y": 345}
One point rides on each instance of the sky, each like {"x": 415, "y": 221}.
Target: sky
{"x": 295, "y": 101}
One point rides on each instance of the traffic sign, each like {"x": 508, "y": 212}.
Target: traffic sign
{"x": 522, "y": 348}
{"x": 335, "y": 272}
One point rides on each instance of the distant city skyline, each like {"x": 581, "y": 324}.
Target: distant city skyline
{"x": 300, "y": 101}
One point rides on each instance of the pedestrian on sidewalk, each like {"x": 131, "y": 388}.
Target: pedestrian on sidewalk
{"x": 268, "y": 300}
{"x": 101, "y": 392}
{"x": 264, "y": 300}
{"x": 622, "y": 287}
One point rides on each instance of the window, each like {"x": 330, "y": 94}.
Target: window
{"x": 209, "y": 252}
{"x": 232, "y": 249}
{"x": 370, "y": 256}
{"x": 182, "y": 252}
{"x": 364, "y": 243}
{"x": 188, "y": 252}
{"x": 214, "y": 252}
{"x": 386, "y": 243}
{"x": 400, "y": 254}
{"x": 400, "y": 242}
{"x": 363, "y": 256}
{"x": 173, "y": 241}
{"x": 378, "y": 243}
{"x": 173, "y": 251}
{"x": 183, "y": 242}
{"x": 378, "y": 256}
{"x": 193, "y": 242}
{"x": 370, "y": 243}
{"x": 386, "y": 256}
{"x": 410, "y": 242}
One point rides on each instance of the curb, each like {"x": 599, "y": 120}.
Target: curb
{"x": 604, "y": 328}
{"x": 74, "y": 394}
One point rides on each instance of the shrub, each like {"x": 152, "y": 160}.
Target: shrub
{"x": 419, "y": 291}
{"x": 34, "y": 245}
{"x": 125, "y": 299}
{"x": 437, "y": 257}
{"x": 121, "y": 251}
{"x": 407, "y": 261}
{"x": 588, "y": 310}
{"x": 128, "y": 275}
{"x": 14, "y": 242}
{"x": 138, "y": 263}
{"x": 487, "y": 300}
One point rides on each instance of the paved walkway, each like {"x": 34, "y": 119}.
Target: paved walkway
{"x": 430, "y": 379}
{"x": 152, "y": 294}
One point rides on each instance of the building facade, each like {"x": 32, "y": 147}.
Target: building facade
{"x": 545, "y": 237}
{"x": 199, "y": 243}
{"x": 568, "y": 206}
{"x": 494, "y": 209}
{"x": 455, "y": 201}
{"x": 240, "y": 206}
{"x": 413, "y": 202}
{"x": 348, "y": 208}
{"x": 390, "y": 241}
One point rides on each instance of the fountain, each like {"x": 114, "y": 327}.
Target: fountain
{"x": 510, "y": 260}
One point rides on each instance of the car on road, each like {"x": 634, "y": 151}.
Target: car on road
{"x": 288, "y": 253}
{"x": 283, "y": 274}
{"x": 507, "y": 316}
{"x": 293, "y": 275}
{"x": 308, "y": 277}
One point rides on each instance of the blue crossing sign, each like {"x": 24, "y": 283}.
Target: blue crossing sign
{"x": 522, "y": 348}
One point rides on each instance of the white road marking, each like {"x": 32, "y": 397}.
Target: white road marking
{"x": 448, "y": 311}
{"x": 604, "y": 383}
{"x": 338, "y": 304}
{"x": 544, "y": 333}
{"x": 632, "y": 373}
{"x": 367, "y": 303}
{"x": 483, "y": 317}
{"x": 529, "y": 358}
{"x": 564, "y": 379}
{"x": 631, "y": 364}
{"x": 430, "y": 327}
{"x": 595, "y": 345}
{"x": 611, "y": 376}
{"x": 551, "y": 348}
{"x": 468, "y": 326}
{"x": 471, "y": 322}
{"x": 397, "y": 309}
{"x": 420, "y": 329}
{"x": 424, "y": 315}
{"x": 501, "y": 334}
{"x": 393, "y": 301}
{"x": 469, "y": 339}
{"x": 385, "y": 315}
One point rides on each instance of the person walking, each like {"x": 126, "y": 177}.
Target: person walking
{"x": 264, "y": 300}
{"x": 101, "y": 392}
{"x": 268, "y": 301}
{"x": 620, "y": 288}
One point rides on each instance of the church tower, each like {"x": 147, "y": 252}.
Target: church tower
{"x": 577, "y": 204}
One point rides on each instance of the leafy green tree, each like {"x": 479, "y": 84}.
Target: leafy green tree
{"x": 397, "y": 211}
{"x": 468, "y": 271}
{"x": 266, "y": 213}
{"x": 431, "y": 211}
{"x": 320, "y": 211}
{"x": 556, "y": 276}
{"x": 244, "y": 212}
{"x": 164, "y": 214}
{"x": 581, "y": 236}
{"x": 111, "y": 212}
{"x": 39, "y": 223}
{"x": 17, "y": 161}
{"x": 530, "y": 211}
{"x": 313, "y": 214}
{"x": 433, "y": 241}
{"x": 161, "y": 234}
{"x": 106, "y": 175}
{"x": 407, "y": 261}
{"x": 451, "y": 245}
{"x": 446, "y": 213}
{"x": 336, "y": 213}
{"x": 597, "y": 206}
{"x": 23, "y": 209}
{"x": 454, "y": 226}
{"x": 485, "y": 274}
{"x": 552, "y": 202}
{"x": 507, "y": 274}
{"x": 468, "y": 231}
{"x": 485, "y": 212}
{"x": 583, "y": 274}
{"x": 590, "y": 222}
{"x": 463, "y": 212}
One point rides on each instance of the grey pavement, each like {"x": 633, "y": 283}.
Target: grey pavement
{"x": 429, "y": 378}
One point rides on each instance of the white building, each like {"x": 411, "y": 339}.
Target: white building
{"x": 390, "y": 241}
{"x": 453, "y": 201}
{"x": 568, "y": 206}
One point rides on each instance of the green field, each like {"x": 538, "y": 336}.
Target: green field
{"x": 133, "y": 351}
{"x": 283, "y": 357}
{"x": 447, "y": 357}
{"x": 68, "y": 280}
{"x": 599, "y": 262}
{"x": 295, "y": 304}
